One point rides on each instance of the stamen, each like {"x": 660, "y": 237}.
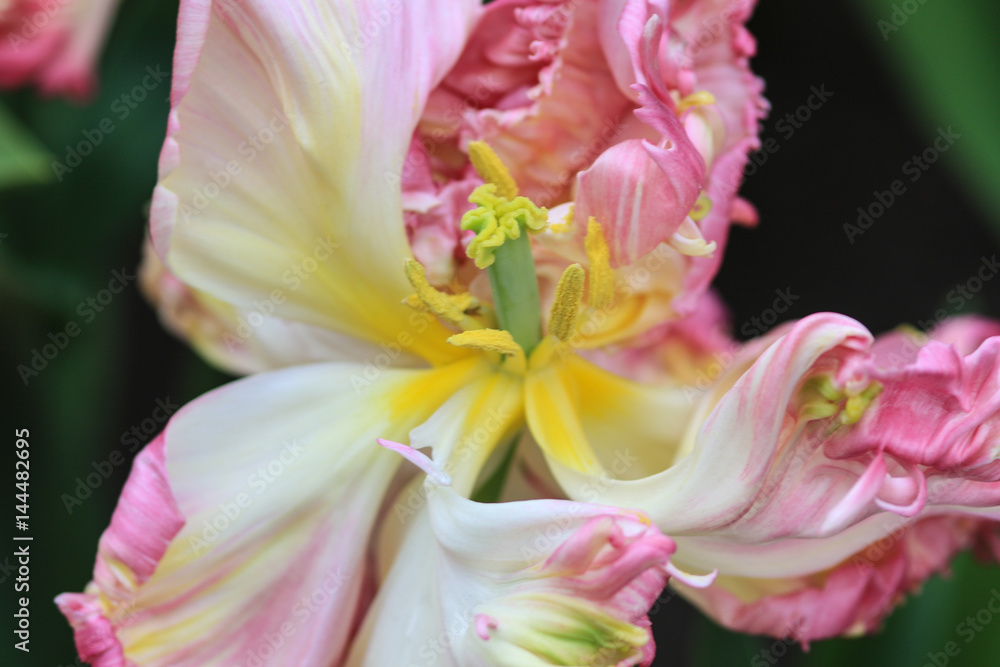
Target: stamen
{"x": 492, "y": 340}
{"x": 701, "y": 98}
{"x": 602, "y": 278}
{"x": 856, "y": 405}
{"x": 569, "y": 294}
{"x": 492, "y": 169}
{"x": 449, "y": 307}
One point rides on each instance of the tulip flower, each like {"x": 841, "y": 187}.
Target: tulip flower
{"x": 54, "y": 44}
{"x": 376, "y": 207}
{"x": 254, "y": 528}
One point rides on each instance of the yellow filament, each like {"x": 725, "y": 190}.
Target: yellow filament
{"x": 493, "y": 340}
{"x": 492, "y": 169}
{"x": 602, "y": 278}
{"x": 569, "y": 294}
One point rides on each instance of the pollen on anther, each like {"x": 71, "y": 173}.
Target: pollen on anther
{"x": 565, "y": 308}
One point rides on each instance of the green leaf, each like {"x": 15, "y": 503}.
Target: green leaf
{"x": 23, "y": 159}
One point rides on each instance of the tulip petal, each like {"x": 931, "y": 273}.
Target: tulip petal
{"x": 526, "y": 583}
{"x": 280, "y": 176}
{"x": 639, "y": 192}
{"x": 277, "y": 479}
{"x": 244, "y": 342}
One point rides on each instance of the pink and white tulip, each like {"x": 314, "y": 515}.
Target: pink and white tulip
{"x": 284, "y": 203}
{"x": 293, "y": 198}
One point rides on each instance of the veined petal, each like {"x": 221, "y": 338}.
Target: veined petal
{"x": 639, "y": 192}
{"x": 276, "y": 479}
{"x": 242, "y": 342}
{"x": 526, "y": 583}
{"x": 851, "y": 597}
{"x": 281, "y": 170}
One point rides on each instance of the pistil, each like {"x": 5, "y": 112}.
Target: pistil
{"x": 501, "y": 246}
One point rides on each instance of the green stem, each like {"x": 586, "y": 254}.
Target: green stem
{"x": 491, "y": 488}
{"x": 515, "y": 292}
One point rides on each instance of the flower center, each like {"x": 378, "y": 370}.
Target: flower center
{"x": 502, "y": 221}
{"x": 822, "y": 398}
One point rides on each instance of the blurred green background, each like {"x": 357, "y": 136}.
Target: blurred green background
{"x": 893, "y": 88}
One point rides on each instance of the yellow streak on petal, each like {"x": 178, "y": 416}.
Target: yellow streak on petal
{"x": 569, "y": 295}
{"x": 492, "y": 340}
{"x": 601, "y": 276}
{"x": 492, "y": 169}
{"x": 435, "y": 386}
{"x": 552, "y": 402}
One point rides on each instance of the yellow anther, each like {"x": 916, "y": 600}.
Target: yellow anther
{"x": 822, "y": 398}
{"x": 602, "y": 278}
{"x": 493, "y": 340}
{"x": 701, "y": 98}
{"x": 436, "y": 302}
{"x": 856, "y": 405}
{"x": 701, "y": 208}
{"x": 569, "y": 294}
{"x": 492, "y": 169}
{"x": 496, "y": 220}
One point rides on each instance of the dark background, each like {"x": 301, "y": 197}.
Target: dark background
{"x": 64, "y": 239}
